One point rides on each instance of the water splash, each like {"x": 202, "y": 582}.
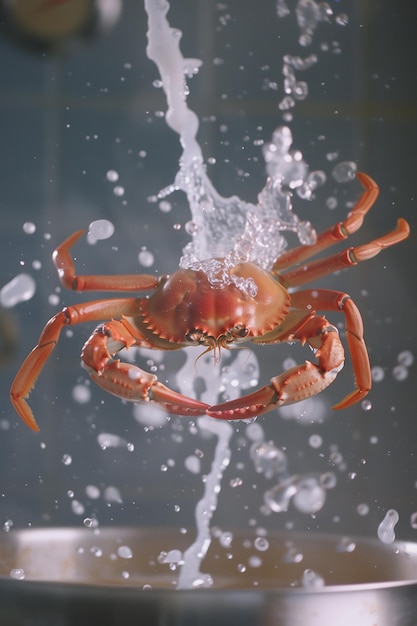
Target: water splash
{"x": 229, "y": 230}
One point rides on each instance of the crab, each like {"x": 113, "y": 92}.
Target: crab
{"x": 184, "y": 309}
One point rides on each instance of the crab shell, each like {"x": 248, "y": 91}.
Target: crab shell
{"x": 187, "y": 302}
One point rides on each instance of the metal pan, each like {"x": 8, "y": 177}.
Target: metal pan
{"x": 117, "y": 576}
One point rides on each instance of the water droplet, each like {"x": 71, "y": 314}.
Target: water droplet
{"x": 254, "y": 561}
{"x": 18, "y": 573}
{"x": 378, "y": 374}
{"x": 109, "y": 440}
{"x": 405, "y": 358}
{"x": 81, "y": 394}
{"x": 342, "y": 19}
{"x": 89, "y": 522}
{"x": 165, "y": 206}
{"x": 99, "y": 230}
{"x": 363, "y": 509}
{"x": 112, "y": 176}
{"x": 19, "y": 289}
{"x": 226, "y": 539}
{"x": 310, "y": 496}
{"x": 29, "y": 228}
{"x": 124, "y": 552}
{"x": 344, "y": 172}
{"x": 261, "y": 544}
{"x": 386, "y": 532}
{"x": 77, "y": 507}
{"x": 315, "y": 441}
{"x": 112, "y": 494}
{"x": 312, "y": 580}
{"x": 146, "y": 258}
{"x": 92, "y": 491}
{"x": 119, "y": 191}
{"x": 400, "y": 372}
{"x": 346, "y": 545}
{"x": 268, "y": 458}
{"x": 193, "y": 464}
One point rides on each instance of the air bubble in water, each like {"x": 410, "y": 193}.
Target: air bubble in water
{"x": 413, "y": 520}
{"x": 344, "y": 172}
{"x": 66, "y": 459}
{"x": 366, "y": 405}
{"x": 20, "y": 289}
{"x": 386, "y": 532}
{"x": 99, "y": 230}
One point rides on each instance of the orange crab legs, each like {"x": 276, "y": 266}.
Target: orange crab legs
{"x": 339, "y": 232}
{"x": 308, "y": 379}
{"x": 112, "y": 375}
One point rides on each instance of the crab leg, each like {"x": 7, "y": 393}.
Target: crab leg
{"x": 128, "y": 381}
{"x": 347, "y": 258}
{"x": 28, "y": 373}
{"x": 64, "y": 264}
{"x": 335, "y": 233}
{"x": 297, "y": 383}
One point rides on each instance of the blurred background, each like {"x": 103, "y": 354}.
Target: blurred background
{"x": 78, "y": 102}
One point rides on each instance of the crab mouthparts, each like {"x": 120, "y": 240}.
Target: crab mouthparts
{"x": 214, "y": 345}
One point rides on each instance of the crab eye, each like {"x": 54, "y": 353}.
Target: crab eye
{"x": 239, "y": 332}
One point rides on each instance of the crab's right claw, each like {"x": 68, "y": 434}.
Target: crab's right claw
{"x": 251, "y": 405}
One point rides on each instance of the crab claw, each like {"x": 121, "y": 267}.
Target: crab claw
{"x": 175, "y": 402}
{"x": 261, "y": 401}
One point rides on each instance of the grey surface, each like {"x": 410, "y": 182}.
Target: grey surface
{"x": 66, "y": 120}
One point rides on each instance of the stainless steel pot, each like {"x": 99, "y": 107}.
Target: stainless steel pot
{"x": 116, "y": 576}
